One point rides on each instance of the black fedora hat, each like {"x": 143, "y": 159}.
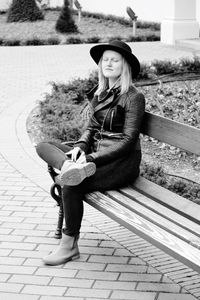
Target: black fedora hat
{"x": 97, "y": 51}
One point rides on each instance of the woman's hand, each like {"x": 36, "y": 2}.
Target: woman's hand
{"x": 76, "y": 155}
{"x": 82, "y": 158}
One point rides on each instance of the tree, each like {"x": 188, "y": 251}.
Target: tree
{"x": 65, "y": 22}
{"x": 23, "y": 11}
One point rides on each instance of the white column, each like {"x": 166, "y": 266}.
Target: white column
{"x": 180, "y": 21}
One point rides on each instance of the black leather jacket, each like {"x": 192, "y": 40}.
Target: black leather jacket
{"x": 115, "y": 125}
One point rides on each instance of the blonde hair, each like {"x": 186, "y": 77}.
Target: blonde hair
{"x": 125, "y": 78}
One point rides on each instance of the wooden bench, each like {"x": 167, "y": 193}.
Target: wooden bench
{"x": 165, "y": 219}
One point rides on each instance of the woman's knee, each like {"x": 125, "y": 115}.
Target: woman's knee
{"x": 41, "y": 148}
{"x": 51, "y": 154}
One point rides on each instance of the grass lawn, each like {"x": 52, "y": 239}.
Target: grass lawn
{"x": 89, "y": 27}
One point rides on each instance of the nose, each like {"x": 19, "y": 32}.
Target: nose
{"x": 109, "y": 62}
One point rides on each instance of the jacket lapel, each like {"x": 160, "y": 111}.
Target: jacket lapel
{"x": 103, "y": 104}
{"x": 106, "y": 99}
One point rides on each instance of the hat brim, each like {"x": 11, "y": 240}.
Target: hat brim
{"x": 97, "y": 51}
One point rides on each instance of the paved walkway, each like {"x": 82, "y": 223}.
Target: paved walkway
{"x": 114, "y": 263}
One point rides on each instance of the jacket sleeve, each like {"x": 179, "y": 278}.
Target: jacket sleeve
{"x": 86, "y": 139}
{"x": 134, "y": 112}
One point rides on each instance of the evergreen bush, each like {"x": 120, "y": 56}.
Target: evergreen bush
{"x": 24, "y": 11}
{"x": 65, "y": 22}
{"x": 52, "y": 41}
{"x": 14, "y": 42}
{"x": 35, "y": 42}
{"x": 74, "y": 40}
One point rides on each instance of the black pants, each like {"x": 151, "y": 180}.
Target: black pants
{"x": 110, "y": 176}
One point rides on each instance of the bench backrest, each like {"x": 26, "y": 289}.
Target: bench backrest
{"x": 171, "y": 132}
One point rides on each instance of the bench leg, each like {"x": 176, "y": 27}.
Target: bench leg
{"x": 56, "y": 194}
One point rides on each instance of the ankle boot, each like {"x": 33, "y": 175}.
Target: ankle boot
{"x": 74, "y": 173}
{"x": 67, "y": 250}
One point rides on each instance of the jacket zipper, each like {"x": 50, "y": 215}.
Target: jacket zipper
{"x": 111, "y": 118}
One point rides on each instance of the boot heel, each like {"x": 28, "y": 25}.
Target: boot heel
{"x": 90, "y": 169}
{"x": 75, "y": 257}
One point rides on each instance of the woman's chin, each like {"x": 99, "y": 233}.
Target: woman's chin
{"x": 110, "y": 75}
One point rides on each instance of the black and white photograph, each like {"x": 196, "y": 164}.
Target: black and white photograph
{"x": 100, "y": 149}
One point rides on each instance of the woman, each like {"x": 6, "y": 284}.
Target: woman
{"x": 108, "y": 154}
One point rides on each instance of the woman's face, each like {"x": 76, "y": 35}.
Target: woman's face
{"x": 111, "y": 64}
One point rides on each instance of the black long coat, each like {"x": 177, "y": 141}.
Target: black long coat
{"x": 115, "y": 123}
{"x": 111, "y": 139}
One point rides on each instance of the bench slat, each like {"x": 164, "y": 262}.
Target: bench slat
{"x": 171, "y": 200}
{"x": 172, "y": 132}
{"x": 179, "y": 249}
{"x": 164, "y": 211}
{"x": 153, "y": 217}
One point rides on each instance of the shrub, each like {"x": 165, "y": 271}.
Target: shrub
{"x": 24, "y": 10}
{"x": 144, "y": 38}
{"x": 35, "y": 42}
{"x": 59, "y": 115}
{"x": 148, "y": 25}
{"x": 101, "y": 16}
{"x": 65, "y": 22}
{"x": 74, "y": 40}
{"x": 11, "y": 42}
{"x": 60, "y": 111}
{"x": 123, "y": 21}
{"x": 187, "y": 66}
{"x": 154, "y": 173}
{"x": 166, "y": 67}
{"x": 181, "y": 186}
{"x": 144, "y": 72}
{"x": 152, "y": 38}
{"x": 115, "y": 37}
{"x": 53, "y": 41}
{"x": 93, "y": 40}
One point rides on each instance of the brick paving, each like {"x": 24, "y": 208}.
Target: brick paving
{"x": 114, "y": 263}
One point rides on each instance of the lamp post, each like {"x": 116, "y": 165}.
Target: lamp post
{"x": 133, "y": 17}
{"x": 79, "y": 7}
